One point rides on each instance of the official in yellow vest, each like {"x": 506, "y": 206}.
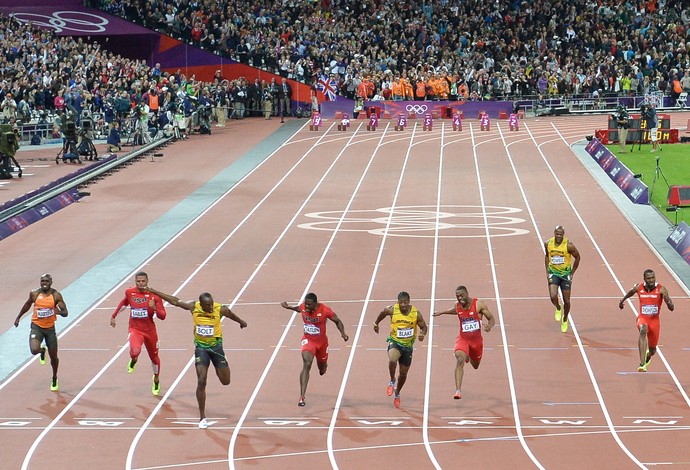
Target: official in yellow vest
{"x": 406, "y": 320}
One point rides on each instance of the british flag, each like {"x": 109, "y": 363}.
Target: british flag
{"x": 328, "y": 87}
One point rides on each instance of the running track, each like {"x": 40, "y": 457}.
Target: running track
{"x": 355, "y": 217}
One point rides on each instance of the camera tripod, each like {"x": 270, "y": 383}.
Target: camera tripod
{"x": 69, "y": 147}
{"x": 6, "y": 165}
{"x": 658, "y": 172}
{"x": 87, "y": 149}
{"x": 138, "y": 135}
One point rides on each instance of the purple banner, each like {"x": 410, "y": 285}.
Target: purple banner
{"x": 38, "y": 212}
{"x": 68, "y": 20}
{"x": 635, "y": 189}
{"x": 680, "y": 241}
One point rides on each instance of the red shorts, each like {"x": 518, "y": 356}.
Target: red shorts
{"x": 653, "y": 328}
{"x": 474, "y": 348}
{"x": 318, "y": 349}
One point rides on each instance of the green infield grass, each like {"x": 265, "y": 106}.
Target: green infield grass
{"x": 673, "y": 169}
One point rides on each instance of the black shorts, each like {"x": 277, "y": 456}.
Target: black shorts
{"x": 562, "y": 282}
{"x": 47, "y": 334}
{"x": 215, "y": 355}
{"x": 405, "y": 353}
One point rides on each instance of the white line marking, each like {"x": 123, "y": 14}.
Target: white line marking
{"x": 264, "y": 374}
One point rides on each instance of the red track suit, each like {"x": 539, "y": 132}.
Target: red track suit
{"x": 648, "y": 313}
{"x": 314, "y": 338}
{"x": 142, "y": 329}
{"x": 470, "y": 340}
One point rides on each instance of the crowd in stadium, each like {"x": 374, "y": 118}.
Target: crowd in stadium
{"x": 442, "y": 49}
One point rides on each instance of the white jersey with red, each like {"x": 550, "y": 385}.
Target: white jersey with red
{"x": 140, "y": 313}
{"x": 470, "y": 322}
{"x": 315, "y": 323}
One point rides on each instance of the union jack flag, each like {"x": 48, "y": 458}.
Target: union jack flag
{"x": 328, "y": 87}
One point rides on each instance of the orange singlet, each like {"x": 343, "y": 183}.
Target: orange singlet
{"x": 44, "y": 310}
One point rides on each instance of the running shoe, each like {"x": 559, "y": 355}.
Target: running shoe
{"x": 203, "y": 424}
{"x": 389, "y": 389}
{"x": 642, "y": 368}
{"x": 648, "y": 359}
{"x": 301, "y": 402}
{"x": 54, "y": 387}
{"x": 396, "y": 399}
{"x": 457, "y": 395}
{"x": 42, "y": 357}
{"x": 156, "y": 387}
{"x": 564, "y": 326}
{"x": 131, "y": 365}
{"x": 558, "y": 315}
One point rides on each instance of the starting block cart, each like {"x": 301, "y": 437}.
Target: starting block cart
{"x": 457, "y": 122}
{"x": 513, "y": 123}
{"x": 373, "y": 122}
{"x": 485, "y": 122}
{"x": 402, "y": 122}
{"x": 344, "y": 123}
{"x": 316, "y": 122}
{"x": 428, "y": 123}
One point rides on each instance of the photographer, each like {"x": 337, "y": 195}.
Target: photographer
{"x": 623, "y": 124}
{"x": 648, "y": 113}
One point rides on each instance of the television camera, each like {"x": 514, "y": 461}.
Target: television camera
{"x": 9, "y": 144}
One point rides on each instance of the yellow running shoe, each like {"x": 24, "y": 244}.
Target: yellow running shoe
{"x": 642, "y": 368}
{"x": 156, "y": 387}
{"x": 558, "y": 315}
{"x": 564, "y": 326}
{"x": 648, "y": 359}
{"x": 54, "y": 387}
{"x": 131, "y": 365}
{"x": 42, "y": 357}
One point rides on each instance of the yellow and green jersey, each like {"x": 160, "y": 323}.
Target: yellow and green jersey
{"x": 560, "y": 262}
{"x": 404, "y": 327}
{"x": 207, "y": 330}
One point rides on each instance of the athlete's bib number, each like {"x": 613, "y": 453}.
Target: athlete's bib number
{"x": 45, "y": 312}
{"x": 557, "y": 259}
{"x": 650, "y": 309}
{"x": 140, "y": 313}
{"x": 311, "y": 329}
{"x": 204, "y": 330}
{"x": 405, "y": 333}
{"x": 469, "y": 326}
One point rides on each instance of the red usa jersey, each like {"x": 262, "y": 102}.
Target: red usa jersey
{"x": 140, "y": 313}
{"x": 470, "y": 320}
{"x": 315, "y": 322}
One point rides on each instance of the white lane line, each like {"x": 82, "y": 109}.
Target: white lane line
{"x": 298, "y": 212}
{"x": 115, "y": 289}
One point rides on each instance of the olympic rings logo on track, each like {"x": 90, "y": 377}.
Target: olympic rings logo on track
{"x": 416, "y": 108}
{"x": 456, "y": 221}
{"x": 60, "y": 21}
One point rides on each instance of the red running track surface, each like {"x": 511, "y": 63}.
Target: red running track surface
{"x": 355, "y": 217}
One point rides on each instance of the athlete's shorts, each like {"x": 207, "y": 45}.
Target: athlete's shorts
{"x": 653, "y": 328}
{"x": 47, "y": 334}
{"x": 215, "y": 355}
{"x": 473, "y": 349}
{"x": 652, "y": 134}
{"x": 565, "y": 283}
{"x": 319, "y": 350}
{"x": 405, "y": 353}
